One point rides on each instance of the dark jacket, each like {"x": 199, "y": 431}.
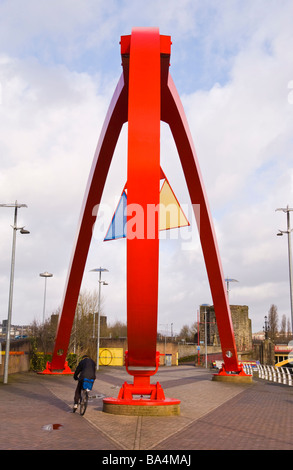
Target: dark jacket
{"x": 86, "y": 369}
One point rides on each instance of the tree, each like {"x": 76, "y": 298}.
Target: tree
{"x": 42, "y": 341}
{"x": 289, "y": 329}
{"x": 187, "y": 333}
{"x": 84, "y": 328}
{"x": 283, "y": 333}
{"x": 117, "y": 330}
{"x": 273, "y": 322}
{"x": 193, "y": 330}
{"x": 85, "y": 325}
{"x": 44, "y": 335}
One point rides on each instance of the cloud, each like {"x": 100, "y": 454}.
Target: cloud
{"x": 49, "y": 125}
{"x": 242, "y": 132}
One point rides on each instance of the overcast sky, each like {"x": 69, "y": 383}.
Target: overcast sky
{"x": 232, "y": 64}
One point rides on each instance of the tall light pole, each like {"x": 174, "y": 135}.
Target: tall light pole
{"x": 205, "y": 333}
{"x": 45, "y": 275}
{"x": 266, "y": 328}
{"x": 22, "y": 231}
{"x": 287, "y": 210}
{"x": 166, "y": 333}
{"x": 228, "y": 280}
{"x": 100, "y": 271}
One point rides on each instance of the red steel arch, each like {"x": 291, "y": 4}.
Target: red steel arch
{"x": 144, "y": 96}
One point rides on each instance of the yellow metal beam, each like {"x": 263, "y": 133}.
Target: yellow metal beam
{"x": 280, "y": 364}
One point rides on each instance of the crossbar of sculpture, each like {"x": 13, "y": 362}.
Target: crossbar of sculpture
{"x": 145, "y": 94}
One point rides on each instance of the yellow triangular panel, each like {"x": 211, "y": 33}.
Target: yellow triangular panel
{"x": 171, "y": 214}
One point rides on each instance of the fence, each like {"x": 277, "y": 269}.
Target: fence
{"x": 281, "y": 375}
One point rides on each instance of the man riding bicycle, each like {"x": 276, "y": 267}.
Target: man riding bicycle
{"x": 86, "y": 369}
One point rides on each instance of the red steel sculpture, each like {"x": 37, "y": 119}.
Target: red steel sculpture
{"x": 145, "y": 95}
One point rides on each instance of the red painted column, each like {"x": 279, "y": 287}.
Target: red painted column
{"x": 143, "y": 186}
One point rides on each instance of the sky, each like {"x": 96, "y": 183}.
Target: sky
{"x": 232, "y": 65}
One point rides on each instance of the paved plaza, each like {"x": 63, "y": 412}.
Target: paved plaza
{"x": 36, "y": 414}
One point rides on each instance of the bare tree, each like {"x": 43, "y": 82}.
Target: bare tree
{"x": 273, "y": 322}
{"x": 44, "y": 335}
{"x": 193, "y": 330}
{"x": 283, "y": 333}
{"x": 84, "y": 330}
{"x": 83, "y": 335}
{"x": 117, "y": 330}
{"x": 187, "y": 333}
{"x": 289, "y": 329}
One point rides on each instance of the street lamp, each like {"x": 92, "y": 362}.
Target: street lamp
{"x": 100, "y": 271}
{"x": 45, "y": 275}
{"x": 205, "y": 333}
{"x": 166, "y": 333}
{"x": 22, "y": 231}
{"x": 280, "y": 234}
{"x": 266, "y": 328}
{"x": 228, "y": 283}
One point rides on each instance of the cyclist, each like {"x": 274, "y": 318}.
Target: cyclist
{"x": 86, "y": 369}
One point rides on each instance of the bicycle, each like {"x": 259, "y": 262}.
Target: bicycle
{"x": 87, "y": 385}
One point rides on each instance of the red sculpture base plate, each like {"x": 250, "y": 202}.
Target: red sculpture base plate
{"x": 50, "y": 371}
{"x": 142, "y": 399}
{"x": 239, "y": 377}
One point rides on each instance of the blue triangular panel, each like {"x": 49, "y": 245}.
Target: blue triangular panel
{"x": 117, "y": 227}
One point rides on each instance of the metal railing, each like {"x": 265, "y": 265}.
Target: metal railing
{"x": 281, "y": 375}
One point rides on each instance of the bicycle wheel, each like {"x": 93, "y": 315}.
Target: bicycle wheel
{"x": 83, "y": 401}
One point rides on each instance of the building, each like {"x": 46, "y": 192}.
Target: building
{"x": 259, "y": 336}
{"x": 16, "y": 331}
{"x": 241, "y": 325}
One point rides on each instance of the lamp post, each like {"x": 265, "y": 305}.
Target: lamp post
{"x": 45, "y": 275}
{"x": 287, "y": 210}
{"x": 100, "y": 271}
{"x": 205, "y": 334}
{"x": 265, "y": 328}
{"x": 228, "y": 280}
{"x": 22, "y": 231}
{"x": 166, "y": 333}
